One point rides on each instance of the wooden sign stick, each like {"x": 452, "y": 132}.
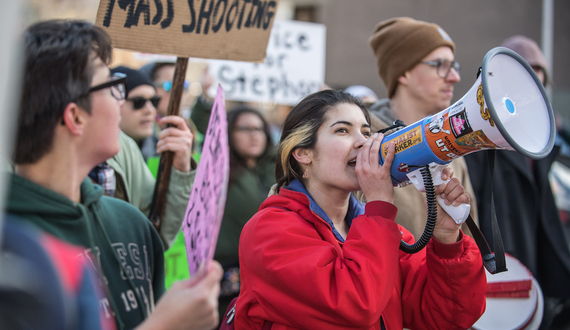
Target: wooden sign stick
{"x": 165, "y": 164}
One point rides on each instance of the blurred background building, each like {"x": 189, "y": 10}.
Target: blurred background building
{"x": 476, "y": 26}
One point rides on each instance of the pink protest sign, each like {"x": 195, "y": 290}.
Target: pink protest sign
{"x": 208, "y": 198}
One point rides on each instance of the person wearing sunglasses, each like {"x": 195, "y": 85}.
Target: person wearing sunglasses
{"x": 162, "y": 74}
{"x": 416, "y": 62}
{"x": 134, "y": 181}
{"x": 138, "y": 113}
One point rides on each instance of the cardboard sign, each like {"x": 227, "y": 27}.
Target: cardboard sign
{"x": 208, "y": 198}
{"x": 294, "y": 67}
{"x": 221, "y": 29}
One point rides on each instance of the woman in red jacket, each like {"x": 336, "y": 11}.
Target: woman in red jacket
{"x": 314, "y": 257}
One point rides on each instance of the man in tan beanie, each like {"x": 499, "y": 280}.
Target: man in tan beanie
{"x": 417, "y": 64}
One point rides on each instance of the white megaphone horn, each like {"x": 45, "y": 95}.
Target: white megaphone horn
{"x": 507, "y": 108}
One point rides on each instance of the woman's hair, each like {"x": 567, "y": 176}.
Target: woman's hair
{"x": 237, "y": 162}
{"x": 301, "y": 127}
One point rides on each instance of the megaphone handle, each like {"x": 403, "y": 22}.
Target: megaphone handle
{"x": 459, "y": 213}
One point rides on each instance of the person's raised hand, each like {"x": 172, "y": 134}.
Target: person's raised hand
{"x": 374, "y": 179}
{"x": 178, "y": 139}
{"x": 446, "y": 229}
{"x": 188, "y": 305}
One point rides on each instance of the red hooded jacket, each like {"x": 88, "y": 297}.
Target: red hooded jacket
{"x": 297, "y": 274}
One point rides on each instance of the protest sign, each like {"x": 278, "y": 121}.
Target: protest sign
{"x": 208, "y": 198}
{"x": 294, "y": 67}
{"x": 221, "y": 29}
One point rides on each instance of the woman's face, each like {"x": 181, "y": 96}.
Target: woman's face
{"x": 249, "y": 139}
{"x": 339, "y": 140}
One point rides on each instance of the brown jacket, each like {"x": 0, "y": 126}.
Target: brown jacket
{"x": 411, "y": 203}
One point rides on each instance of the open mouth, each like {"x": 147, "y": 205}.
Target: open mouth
{"x": 352, "y": 163}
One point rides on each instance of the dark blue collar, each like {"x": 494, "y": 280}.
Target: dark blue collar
{"x": 355, "y": 208}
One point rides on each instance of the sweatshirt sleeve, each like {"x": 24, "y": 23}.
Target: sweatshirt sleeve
{"x": 177, "y": 198}
{"x": 443, "y": 285}
{"x": 298, "y": 275}
{"x": 139, "y": 184}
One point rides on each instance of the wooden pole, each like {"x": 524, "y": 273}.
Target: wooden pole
{"x": 165, "y": 164}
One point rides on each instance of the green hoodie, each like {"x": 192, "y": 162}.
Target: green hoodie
{"x": 124, "y": 243}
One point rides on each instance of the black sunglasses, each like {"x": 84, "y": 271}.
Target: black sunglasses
{"x": 139, "y": 102}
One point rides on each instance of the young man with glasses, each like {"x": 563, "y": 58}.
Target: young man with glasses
{"x": 68, "y": 123}
{"x": 417, "y": 64}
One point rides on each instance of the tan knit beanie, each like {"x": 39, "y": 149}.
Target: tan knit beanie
{"x": 400, "y": 43}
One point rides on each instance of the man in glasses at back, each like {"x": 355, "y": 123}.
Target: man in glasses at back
{"x": 417, "y": 65}
{"x": 68, "y": 123}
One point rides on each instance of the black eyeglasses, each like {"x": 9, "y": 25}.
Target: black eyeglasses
{"x": 444, "y": 67}
{"x": 117, "y": 84}
{"x": 250, "y": 129}
{"x": 139, "y": 102}
{"x": 118, "y": 87}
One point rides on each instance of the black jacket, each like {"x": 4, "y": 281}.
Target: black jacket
{"x": 527, "y": 214}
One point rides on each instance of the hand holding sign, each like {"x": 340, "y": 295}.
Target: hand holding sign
{"x": 206, "y": 205}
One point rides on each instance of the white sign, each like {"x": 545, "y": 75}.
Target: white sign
{"x": 294, "y": 67}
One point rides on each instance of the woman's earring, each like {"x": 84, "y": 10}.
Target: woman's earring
{"x": 306, "y": 173}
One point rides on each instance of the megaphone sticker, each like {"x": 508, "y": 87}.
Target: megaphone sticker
{"x": 484, "y": 111}
{"x": 476, "y": 140}
{"x": 460, "y": 124}
{"x": 404, "y": 141}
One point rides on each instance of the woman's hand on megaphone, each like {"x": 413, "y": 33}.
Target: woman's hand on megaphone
{"x": 374, "y": 179}
{"x": 446, "y": 229}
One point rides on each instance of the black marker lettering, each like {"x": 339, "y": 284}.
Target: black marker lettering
{"x": 226, "y": 70}
{"x": 109, "y": 13}
{"x": 241, "y": 14}
{"x": 302, "y": 44}
{"x": 216, "y": 27}
{"x": 273, "y": 86}
{"x": 232, "y": 7}
{"x": 259, "y": 13}
{"x": 158, "y": 16}
{"x": 269, "y": 15}
{"x": 123, "y": 4}
{"x": 254, "y": 86}
{"x": 204, "y": 14}
{"x": 254, "y": 4}
{"x": 190, "y": 27}
{"x": 169, "y": 14}
{"x": 134, "y": 16}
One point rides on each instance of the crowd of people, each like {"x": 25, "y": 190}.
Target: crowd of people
{"x": 312, "y": 226}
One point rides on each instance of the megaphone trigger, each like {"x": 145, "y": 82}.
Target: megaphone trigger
{"x": 458, "y": 213}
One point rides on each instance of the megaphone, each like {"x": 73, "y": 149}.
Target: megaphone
{"x": 506, "y": 108}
